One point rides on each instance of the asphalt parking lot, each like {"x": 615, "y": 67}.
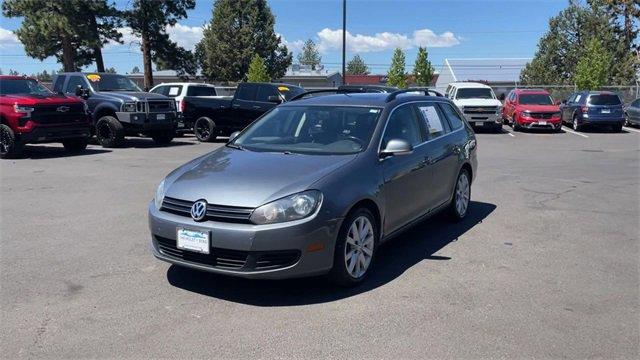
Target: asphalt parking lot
{"x": 545, "y": 266}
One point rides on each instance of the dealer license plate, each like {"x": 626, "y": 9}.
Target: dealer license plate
{"x": 193, "y": 240}
{"x": 160, "y": 116}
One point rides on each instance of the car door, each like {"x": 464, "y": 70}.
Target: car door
{"x": 242, "y": 113}
{"x": 440, "y": 153}
{"x": 405, "y": 177}
{"x": 634, "y": 110}
{"x": 262, "y": 103}
{"x": 565, "y": 108}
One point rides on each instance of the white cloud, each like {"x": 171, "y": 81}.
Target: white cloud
{"x": 291, "y": 45}
{"x": 332, "y": 40}
{"x": 186, "y": 37}
{"x": 8, "y": 38}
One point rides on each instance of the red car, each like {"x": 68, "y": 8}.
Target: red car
{"x": 529, "y": 109}
{"x": 31, "y": 113}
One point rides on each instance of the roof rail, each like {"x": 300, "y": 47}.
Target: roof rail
{"x": 304, "y": 94}
{"x": 426, "y": 91}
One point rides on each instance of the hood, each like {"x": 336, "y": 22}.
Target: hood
{"x": 131, "y": 95}
{"x": 249, "y": 179}
{"x": 539, "y": 108}
{"x": 51, "y": 99}
{"x": 477, "y": 102}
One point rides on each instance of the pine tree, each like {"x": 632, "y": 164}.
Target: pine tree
{"x": 396, "y": 75}
{"x": 593, "y": 68}
{"x": 238, "y": 30}
{"x": 423, "y": 71}
{"x": 149, "y": 19}
{"x": 257, "y": 70}
{"x": 135, "y": 70}
{"x": 309, "y": 55}
{"x": 357, "y": 66}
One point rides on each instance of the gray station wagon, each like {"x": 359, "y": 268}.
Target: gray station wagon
{"x": 315, "y": 185}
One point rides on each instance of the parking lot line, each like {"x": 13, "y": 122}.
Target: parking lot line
{"x": 631, "y": 129}
{"x": 510, "y": 134}
{"x": 573, "y": 132}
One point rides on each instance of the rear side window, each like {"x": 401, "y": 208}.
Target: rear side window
{"x": 201, "y": 91}
{"x": 264, "y": 92}
{"x": 433, "y": 121}
{"x": 162, "y": 90}
{"x": 73, "y": 83}
{"x": 289, "y": 92}
{"x": 604, "y": 99}
{"x": 246, "y": 92}
{"x": 455, "y": 119}
{"x": 404, "y": 125}
{"x": 57, "y": 86}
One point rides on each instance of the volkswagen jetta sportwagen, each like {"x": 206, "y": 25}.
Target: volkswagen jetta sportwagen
{"x": 315, "y": 185}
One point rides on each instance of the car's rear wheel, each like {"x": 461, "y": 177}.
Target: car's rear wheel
{"x": 355, "y": 248}
{"x": 75, "y": 145}
{"x": 9, "y": 147}
{"x": 576, "y": 124}
{"x": 109, "y": 132}
{"x": 514, "y": 124}
{"x": 205, "y": 129}
{"x": 461, "y": 196}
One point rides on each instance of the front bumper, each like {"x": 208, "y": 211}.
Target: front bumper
{"x": 149, "y": 121}
{"x": 44, "y": 134}
{"x": 243, "y": 245}
{"x": 533, "y": 123}
{"x": 484, "y": 119}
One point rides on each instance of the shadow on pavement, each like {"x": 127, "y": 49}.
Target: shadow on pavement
{"x": 393, "y": 259}
{"x": 34, "y": 152}
{"x": 148, "y": 143}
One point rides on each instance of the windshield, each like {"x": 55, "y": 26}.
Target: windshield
{"x": 474, "y": 93}
{"x": 604, "y": 99}
{"x": 535, "y": 99}
{"x": 23, "y": 86}
{"x": 111, "y": 82}
{"x": 311, "y": 130}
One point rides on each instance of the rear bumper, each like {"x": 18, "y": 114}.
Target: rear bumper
{"x": 601, "y": 121}
{"x": 44, "y": 134}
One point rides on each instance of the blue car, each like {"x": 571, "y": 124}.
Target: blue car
{"x": 593, "y": 108}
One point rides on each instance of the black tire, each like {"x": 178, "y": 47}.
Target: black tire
{"x": 575, "y": 125}
{"x": 75, "y": 145}
{"x": 163, "y": 138}
{"x": 339, "y": 274}
{"x": 454, "y": 211}
{"x": 514, "y": 125}
{"x": 205, "y": 129}
{"x": 109, "y": 132}
{"x": 9, "y": 147}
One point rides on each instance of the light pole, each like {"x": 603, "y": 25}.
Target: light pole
{"x": 344, "y": 40}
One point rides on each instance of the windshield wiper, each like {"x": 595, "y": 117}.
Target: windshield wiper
{"x": 235, "y": 146}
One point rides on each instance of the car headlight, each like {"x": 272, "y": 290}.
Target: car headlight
{"x": 293, "y": 207}
{"x": 159, "y": 195}
{"x": 129, "y": 107}
{"x": 525, "y": 114}
{"x": 23, "y": 109}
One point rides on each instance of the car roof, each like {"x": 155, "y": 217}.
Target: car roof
{"x": 358, "y": 99}
{"x": 183, "y": 84}
{"x": 461, "y": 85}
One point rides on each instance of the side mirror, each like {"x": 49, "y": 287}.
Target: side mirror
{"x": 233, "y": 135}
{"x": 81, "y": 92}
{"x": 396, "y": 147}
{"x": 275, "y": 99}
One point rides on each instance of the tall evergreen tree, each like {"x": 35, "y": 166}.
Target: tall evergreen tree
{"x": 257, "y": 70}
{"x": 423, "y": 71}
{"x": 238, "y": 30}
{"x": 593, "y": 68}
{"x": 100, "y": 21}
{"x": 310, "y": 55}
{"x": 357, "y": 66}
{"x": 396, "y": 75}
{"x": 149, "y": 19}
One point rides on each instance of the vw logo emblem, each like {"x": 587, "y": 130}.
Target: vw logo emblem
{"x": 199, "y": 210}
{"x": 62, "y": 108}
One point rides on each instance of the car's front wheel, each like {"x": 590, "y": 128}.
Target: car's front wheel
{"x": 10, "y": 148}
{"x": 205, "y": 129}
{"x": 355, "y": 248}
{"x": 461, "y": 196}
{"x": 576, "y": 124}
{"x": 110, "y": 132}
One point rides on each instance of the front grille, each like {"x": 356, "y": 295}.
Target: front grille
{"x": 160, "y": 106}
{"x": 231, "y": 259}
{"x": 480, "y": 110}
{"x": 214, "y": 212}
{"x": 541, "y": 115}
{"x": 50, "y": 114}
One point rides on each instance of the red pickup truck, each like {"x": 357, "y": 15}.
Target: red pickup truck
{"x": 31, "y": 113}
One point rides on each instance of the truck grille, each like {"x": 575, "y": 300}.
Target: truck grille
{"x": 231, "y": 259}
{"x": 58, "y": 114}
{"x": 214, "y": 212}
{"x": 160, "y": 106}
{"x": 480, "y": 110}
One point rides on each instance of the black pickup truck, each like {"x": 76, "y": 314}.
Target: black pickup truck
{"x": 212, "y": 117}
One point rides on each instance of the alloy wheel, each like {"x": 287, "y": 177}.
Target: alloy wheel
{"x": 358, "y": 250}
{"x": 575, "y": 123}
{"x": 5, "y": 140}
{"x": 202, "y": 128}
{"x": 462, "y": 194}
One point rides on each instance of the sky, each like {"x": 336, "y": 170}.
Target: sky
{"x": 451, "y": 29}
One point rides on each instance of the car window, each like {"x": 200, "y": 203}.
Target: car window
{"x": 475, "y": 93}
{"x": 264, "y": 92}
{"x": 604, "y": 99}
{"x": 57, "y": 86}
{"x": 246, "y": 92}
{"x": 577, "y": 98}
{"x": 173, "y": 90}
{"x": 434, "y": 123}
{"x": 290, "y": 91}
{"x": 535, "y": 99}
{"x": 404, "y": 125}
{"x": 73, "y": 83}
{"x": 162, "y": 90}
{"x": 455, "y": 119}
{"x": 22, "y": 86}
{"x": 201, "y": 91}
